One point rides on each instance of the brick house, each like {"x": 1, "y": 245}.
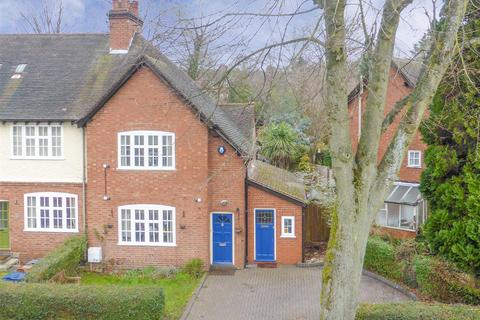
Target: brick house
{"x": 102, "y": 134}
{"x": 405, "y": 210}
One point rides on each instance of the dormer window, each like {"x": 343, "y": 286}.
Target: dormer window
{"x": 37, "y": 141}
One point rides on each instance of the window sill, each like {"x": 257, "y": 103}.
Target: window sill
{"x": 286, "y": 236}
{"x": 52, "y": 230}
{"x": 414, "y": 167}
{"x": 145, "y": 169}
{"x": 146, "y": 244}
{"x": 397, "y": 228}
{"x": 38, "y": 158}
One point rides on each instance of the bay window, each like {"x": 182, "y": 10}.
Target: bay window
{"x": 146, "y": 150}
{"x": 152, "y": 225}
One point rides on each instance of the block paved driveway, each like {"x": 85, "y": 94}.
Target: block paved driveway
{"x": 287, "y": 293}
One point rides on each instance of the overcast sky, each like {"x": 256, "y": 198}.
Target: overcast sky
{"x": 90, "y": 16}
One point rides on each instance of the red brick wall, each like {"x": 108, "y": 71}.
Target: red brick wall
{"x": 146, "y": 103}
{"x": 227, "y": 182}
{"x": 395, "y": 233}
{"x": 396, "y": 91}
{"x": 33, "y": 244}
{"x": 289, "y": 250}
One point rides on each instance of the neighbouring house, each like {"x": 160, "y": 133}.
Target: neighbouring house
{"x": 102, "y": 134}
{"x": 405, "y": 209}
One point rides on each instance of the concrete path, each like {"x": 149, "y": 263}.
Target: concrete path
{"x": 287, "y": 293}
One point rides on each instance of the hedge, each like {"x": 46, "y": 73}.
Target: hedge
{"x": 415, "y": 311}
{"x": 438, "y": 279}
{"x": 380, "y": 258}
{"x": 64, "y": 258}
{"x": 54, "y": 301}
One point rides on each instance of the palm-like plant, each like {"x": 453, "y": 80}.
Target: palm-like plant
{"x": 279, "y": 144}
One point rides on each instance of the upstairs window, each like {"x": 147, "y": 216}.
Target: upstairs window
{"x": 37, "y": 141}
{"x": 146, "y": 150}
{"x": 51, "y": 212}
{"x": 414, "y": 159}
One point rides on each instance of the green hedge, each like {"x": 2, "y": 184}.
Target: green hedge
{"x": 380, "y": 258}
{"x": 438, "y": 279}
{"x": 54, "y": 301}
{"x": 66, "y": 257}
{"x": 416, "y": 311}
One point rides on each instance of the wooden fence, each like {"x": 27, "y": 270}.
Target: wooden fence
{"x": 316, "y": 225}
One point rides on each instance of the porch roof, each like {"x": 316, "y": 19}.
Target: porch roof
{"x": 408, "y": 194}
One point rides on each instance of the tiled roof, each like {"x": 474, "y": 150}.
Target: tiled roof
{"x": 243, "y": 115}
{"x": 70, "y": 76}
{"x": 277, "y": 180}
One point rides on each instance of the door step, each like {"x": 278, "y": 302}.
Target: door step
{"x": 266, "y": 264}
{"x": 222, "y": 270}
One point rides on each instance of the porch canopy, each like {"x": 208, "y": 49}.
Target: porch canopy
{"x": 407, "y": 194}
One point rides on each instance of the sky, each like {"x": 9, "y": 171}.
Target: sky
{"x": 90, "y": 16}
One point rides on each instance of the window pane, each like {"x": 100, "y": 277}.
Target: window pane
{"x": 31, "y": 212}
{"x": 126, "y": 227}
{"x": 43, "y": 141}
{"x": 287, "y": 226}
{"x": 139, "y": 226}
{"x": 71, "y": 215}
{"x": 393, "y": 215}
{"x": 167, "y": 226}
{"x": 44, "y": 213}
{"x": 125, "y": 151}
{"x": 153, "y": 151}
{"x": 139, "y": 151}
{"x": 408, "y": 217}
{"x": 56, "y": 141}
{"x": 30, "y": 141}
{"x": 57, "y": 213}
{"x": 167, "y": 151}
{"x": 17, "y": 140}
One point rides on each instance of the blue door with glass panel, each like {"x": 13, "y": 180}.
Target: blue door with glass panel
{"x": 264, "y": 235}
{"x": 222, "y": 236}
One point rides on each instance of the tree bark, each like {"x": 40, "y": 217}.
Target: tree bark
{"x": 361, "y": 184}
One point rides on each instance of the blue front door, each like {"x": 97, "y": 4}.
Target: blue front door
{"x": 222, "y": 233}
{"x": 264, "y": 235}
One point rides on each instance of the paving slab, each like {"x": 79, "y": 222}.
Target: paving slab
{"x": 287, "y": 293}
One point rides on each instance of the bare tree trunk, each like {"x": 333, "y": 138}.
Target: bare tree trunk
{"x": 361, "y": 184}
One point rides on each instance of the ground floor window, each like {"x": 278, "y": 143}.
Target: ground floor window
{"x": 51, "y": 211}
{"x": 146, "y": 225}
{"x": 288, "y": 227}
{"x": 404, "y": 208}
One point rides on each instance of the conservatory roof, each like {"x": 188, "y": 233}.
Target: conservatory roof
{"x": 408, "y": 194}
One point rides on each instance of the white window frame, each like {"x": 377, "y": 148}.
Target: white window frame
{"x": 36, "y": 137}
{"x": 146, "y": 208}
{"x": 145, "y": 134}
{"x": 291, "y": 234}
{"x": 411, "y": 152}
{"x": 50, "y": 195}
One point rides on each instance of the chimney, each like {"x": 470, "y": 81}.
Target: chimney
{"x": 124, "y": 23}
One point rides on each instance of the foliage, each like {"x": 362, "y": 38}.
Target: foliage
{"x": 380, "y": 258}
{"x": 438, "y": 279}
{"x": 64, "y": 258}
{"x": 194, "y": 267}
{"x": 414, "y": 311}
{"x": 305, "y": 164}
{"x": 451, "y": 181}
{"x": 241, "y": 92}
{"x": 178, "y": 289}
{"x": 279, "y": 144}
{"x": 53, "y": 301}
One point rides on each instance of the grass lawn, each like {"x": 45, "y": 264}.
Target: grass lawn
{"x": 178, "y": 289}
